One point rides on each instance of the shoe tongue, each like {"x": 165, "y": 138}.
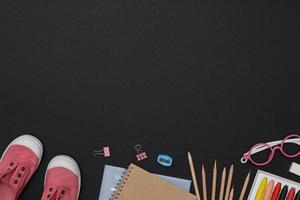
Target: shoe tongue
{"x": 53, "y": 193}
{"x": 14, "y": 175}
{"x": 49, "y": 193}
{"x": 9, "y": 182}
{"x": 7, "y": 172}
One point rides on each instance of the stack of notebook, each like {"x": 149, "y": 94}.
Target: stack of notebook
{"x": 136, "y": 184}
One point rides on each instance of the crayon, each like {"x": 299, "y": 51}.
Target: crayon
{"x": 276, "y": 192}
{"x": 291, "y": 194}
{"x": 269, "y": 190}
{"x": 283, "y": 193}
{"x": 297, "y": 197}
{"x": 261, "y": 189}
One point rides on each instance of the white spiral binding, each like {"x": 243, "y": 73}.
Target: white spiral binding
{"x": 121, "y": 183}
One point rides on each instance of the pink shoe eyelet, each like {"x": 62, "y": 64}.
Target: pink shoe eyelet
{"x": 62, "y": 192}
{"x": 23, "y": 169}
{"x": 11, "y": 164}
{"x": 16, "y": 182}
{"x": 48, "y": 196}
{"x": 19, "y": 175}
{"x": 51, "y": 189}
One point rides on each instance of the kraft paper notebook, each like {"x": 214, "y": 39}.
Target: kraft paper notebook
{"x": 139, "y": 184}
{"x": 112, "y": 175}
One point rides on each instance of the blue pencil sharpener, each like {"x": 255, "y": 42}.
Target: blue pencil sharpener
{"x": 165, "y": 160}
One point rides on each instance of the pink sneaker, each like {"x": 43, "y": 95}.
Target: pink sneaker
{"x": 17, "y": 165}
{"x": 62, "y": 180}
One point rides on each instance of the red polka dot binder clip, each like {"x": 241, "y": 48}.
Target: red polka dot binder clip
{"x": 140, "y": 154}
{"x": 105, "y": 152}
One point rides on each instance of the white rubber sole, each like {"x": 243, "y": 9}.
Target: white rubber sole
{"x": 68, "y": 163}
{"x": 29, "y": 141}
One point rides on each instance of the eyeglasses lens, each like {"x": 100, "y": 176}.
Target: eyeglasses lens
{"x": 262, "y": 156}
{"x": 291, "y": 148}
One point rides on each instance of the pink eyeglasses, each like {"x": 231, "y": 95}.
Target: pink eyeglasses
{"x": 289, "y": 147}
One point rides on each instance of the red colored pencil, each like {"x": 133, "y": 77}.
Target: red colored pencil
{"x": 276, "y": 192}
{"x": 291, "y": 194}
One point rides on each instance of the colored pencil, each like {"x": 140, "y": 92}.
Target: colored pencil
{"x": 214, "y": 182}
{"x": 204, "y": 187}
{"x": 229, "y": 182}
{"x": 191, "y": 163}
{"x": 221, "y": 195}
{"x": 231, "y": 193}
{"x": 244, "y": 189}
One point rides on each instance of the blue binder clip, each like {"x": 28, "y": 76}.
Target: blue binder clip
{"x": 165, "y": 160}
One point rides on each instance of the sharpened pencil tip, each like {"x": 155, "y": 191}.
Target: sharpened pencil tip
{"x": 203, "y": 169}
{"x": 249, "y": 173}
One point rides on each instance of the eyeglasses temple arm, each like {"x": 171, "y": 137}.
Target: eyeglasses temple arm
{"x": 275, "y": 143}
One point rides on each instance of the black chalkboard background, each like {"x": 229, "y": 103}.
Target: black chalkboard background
{"x": 214, "y": 78}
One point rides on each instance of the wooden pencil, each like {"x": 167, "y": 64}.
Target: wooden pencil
{"x": 222, "y": 187}
{"x": 246, "y": 182}
{"x": 231, "y": 193}
{"x": 204, "y": 187}
{"x": 214, "y": 182}
{"x": 191, "y": 163}
{"x": 229, "y": 183}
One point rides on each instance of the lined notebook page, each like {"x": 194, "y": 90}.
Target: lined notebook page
{"x": 139, "y": 184}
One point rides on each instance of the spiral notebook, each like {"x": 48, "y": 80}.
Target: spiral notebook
{"x": 139, "y": 184}
{"x": 112, "y": 175}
